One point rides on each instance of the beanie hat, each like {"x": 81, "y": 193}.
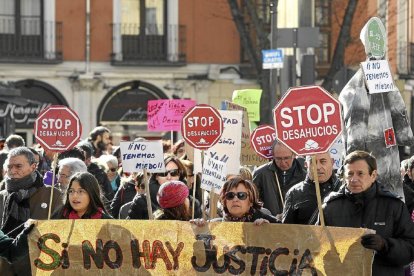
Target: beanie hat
{"x": 172, "y": 194}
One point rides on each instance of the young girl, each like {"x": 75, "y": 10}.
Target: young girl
{"x": 83, "y": 199}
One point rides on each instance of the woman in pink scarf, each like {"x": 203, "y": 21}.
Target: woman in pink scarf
{"x": 83, "y": 199}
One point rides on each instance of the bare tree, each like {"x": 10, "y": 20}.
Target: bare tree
{"x": 343, "y": 39}
{"x": 249, "y": 39}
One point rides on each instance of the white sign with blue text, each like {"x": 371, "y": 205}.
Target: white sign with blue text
{"x": 272, "y": 59}
{"x": 137, "y": 156}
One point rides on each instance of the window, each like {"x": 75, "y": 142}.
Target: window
{"x": 323, "y": 21}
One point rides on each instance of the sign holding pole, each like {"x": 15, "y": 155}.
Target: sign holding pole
{"x": 308, "y": 121}
{"x": 202, "y": 127}
{"x": 57, "y": 129}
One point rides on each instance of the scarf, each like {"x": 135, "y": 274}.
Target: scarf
{"x": 74, "y": 215}
{"x": 17, "y": 205}
{"x": 248, "y": 217}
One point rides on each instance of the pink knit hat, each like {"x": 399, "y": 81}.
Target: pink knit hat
{"x": 172, "y": 194}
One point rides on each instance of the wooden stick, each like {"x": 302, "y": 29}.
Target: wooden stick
{"x": 194, "y": 192}
{"x": 53, "y": 186}
{"x": 318, "y": 190}
{"x": 213, "y": 203}
{"x": 280, "y": 190}
{"x": 147, "y": 191}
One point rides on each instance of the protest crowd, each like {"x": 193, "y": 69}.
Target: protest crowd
{"x": 90, "y": 183}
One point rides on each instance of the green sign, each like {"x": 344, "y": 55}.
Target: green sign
{"x": 250, "y": 99}
{"x": 374, "y": 36}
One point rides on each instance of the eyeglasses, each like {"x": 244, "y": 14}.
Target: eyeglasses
{"x": 240, "y": 195}
{"x": 280, "y": 159}
{"x": 172, "y": 173}
{"x": 79, "y": 192}
{"x": 112, "y": 169}
{"x": 63, "y": 175}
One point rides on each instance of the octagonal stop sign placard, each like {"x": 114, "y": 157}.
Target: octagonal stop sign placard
{"x": 262, "y": 139}
{"x": 308, "y": 120}
{"x": 202, "y": 126}
{"x": 57, "y": 128}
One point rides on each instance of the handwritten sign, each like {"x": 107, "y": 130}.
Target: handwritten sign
{"x": 137, "y": 156}
{"x": 378, "y": 76}
{"x": 337, "y": 152}
{"x": 228, "y": 148}
{"x": 130, "y": 247}
{"x": 166, "y": 115}
{"x": 250, "y": 99}
{"x": 214, "y": 175}
{"x": 248, "y": 155}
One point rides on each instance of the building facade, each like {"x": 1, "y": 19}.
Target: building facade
{"x": 106, "y": 58}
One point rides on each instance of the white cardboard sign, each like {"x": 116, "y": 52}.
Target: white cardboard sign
{"x": 378, "y": 76}
{"x": 214, "y": 174}
{"x": 137, "y": 156}
{"x": 228, "y": 148}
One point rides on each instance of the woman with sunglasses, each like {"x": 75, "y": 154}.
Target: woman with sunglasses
{"x": 83, "y": 199}
{"x": 240, "y": 203}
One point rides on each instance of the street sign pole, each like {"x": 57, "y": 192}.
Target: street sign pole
{"x": 318, "y": 190}
{"x": 273, "y": 45}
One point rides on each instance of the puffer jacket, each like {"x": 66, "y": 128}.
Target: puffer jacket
{"x": 301, "y": 205}
{"x": 381, "y": 211}
{"x": 265, "y": 180}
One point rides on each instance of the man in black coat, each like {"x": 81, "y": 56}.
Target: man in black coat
{"x": 363, "y": 202}
{"x": 284, "y": 169}
{"x": 301, "y": 205}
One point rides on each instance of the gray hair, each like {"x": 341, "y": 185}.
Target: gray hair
{"x": 25, "y": 151}
{"x": 74, "y": 164}
{"x": 109, "y": 158}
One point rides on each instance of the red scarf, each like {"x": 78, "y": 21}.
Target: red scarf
{"x": 74, "y": 215}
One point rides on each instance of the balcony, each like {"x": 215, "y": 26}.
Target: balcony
{"x": 33, "y": 42}
{"x": 153, "y": 45}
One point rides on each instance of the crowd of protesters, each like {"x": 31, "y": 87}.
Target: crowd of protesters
{"x": 89, "y": 183}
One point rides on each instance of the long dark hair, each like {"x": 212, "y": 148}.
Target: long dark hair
{"x": 89, "y": 183}
{"x": 179, "y": 212}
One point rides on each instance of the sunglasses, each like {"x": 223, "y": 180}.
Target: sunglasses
{"x": 172, "y": 173}
{"x": 112, "y": 169}
{"x": 239, "y": 195}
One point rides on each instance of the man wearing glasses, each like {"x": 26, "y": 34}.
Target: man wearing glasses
{"x": 68, "y": 167}
{"x": 25, "y": 197}
{"x": 283, "y": 171}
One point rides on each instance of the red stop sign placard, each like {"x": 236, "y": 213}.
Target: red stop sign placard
{"x": 57, "y": 128}
{"x": 202, "y": 126}
{"x": 308, "y": 120}
{"x": 262, "y": 139}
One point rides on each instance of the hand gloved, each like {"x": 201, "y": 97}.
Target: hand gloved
{"x": 373, "y": 241}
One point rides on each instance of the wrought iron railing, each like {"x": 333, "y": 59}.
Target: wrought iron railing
{"x": 152, "y": 44}
{"x": 29, "y": 40}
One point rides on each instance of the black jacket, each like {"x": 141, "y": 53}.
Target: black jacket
{"x": 408, "y": 188}
{"x": 301, "y": 204}
{"x": 125, "y": 194}
{"x": 381, "y": 211}
{"x": 265, "y": 180}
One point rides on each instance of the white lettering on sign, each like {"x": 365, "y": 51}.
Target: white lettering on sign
{"x": 319, "y": 113}
{"x": 309, "y": 132}
{"x": 265, "y": 139}
{"x": 203, "y": 121}
{"x": 51, "y": 123}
